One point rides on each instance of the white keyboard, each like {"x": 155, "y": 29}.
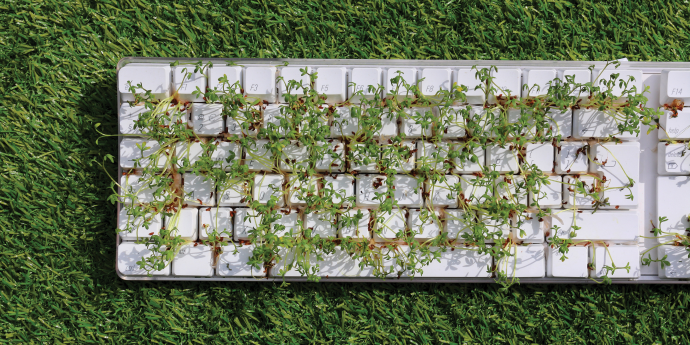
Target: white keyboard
{"x": 405, "y": 170}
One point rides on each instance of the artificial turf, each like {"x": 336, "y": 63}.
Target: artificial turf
{"x": 57, "y": 81}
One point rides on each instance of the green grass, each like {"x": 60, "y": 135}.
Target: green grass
{"x": 57, "y": 275}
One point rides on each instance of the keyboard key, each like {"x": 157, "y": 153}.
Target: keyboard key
{"x": 246, "y": 220}
{"x": 154, "y": 77}
{"x": 592, "y": 123}
{"x": 409, "y": 76}
{"x": 321, "y": 224}
{"x": 672, "y": 203}
{"x": 458, "y": 222}
{"x": 453, "y": 121}
{"x": 518, "y": 128}
{"x": 344, "y": 123}
{"x": 474, "y": 162}
{"x": 511, "y": 188}
{"x": 675, "y": 85}
{"x": 623, "y": 75}
{"x": 617, "y": 255}
{"x": 249, "y": 117}
{"x": 538, "y": 82}
{"x": 233, "y": 74}
{"x": 353, "y": 225}
{"x": 184, "y": 223}
{"x": 502, "y": 159}
{"x": 527, "y": 262}
{"x": 407, "y": 191}
{"x": 140, "y": 191}
{"x": 293, "y": 73}
{"x": 331, "y": 82}
{"x": 215, "y": 220}
{"x": 548, "y": 195}
{"x": 678, "y": 257}
{"x": 400, "y": 156}
{"x": 186, "y": 81}
{"x": 435, "y": 79}
{"x": 258, "y": 157}
{"x": 231, "y": 264}
{"x": 674, "y": 159}
{"x": 199, "y": 190}
{"x": 434, "y": 156}
{"x": 294, "y": 157}
{"x": 143, "y": 150}
{"x": 226, "y": 155}
{"x": 571, "y": 158}
{"x": 234, "y": 193}
{"x": 497, "y": 226}
{"x": 483, "y": 118}
{"x": 390, "y": 225}
{"x": 541, "y": 155}
{"x": 364, "y": 158}
{"x": 193, "y": 261}
{"x": 187, "y": 154}
{"x": 337, "y": 264}
{"x": 411, "y": 124}
{"x": 573, "y": 266}
{"x": 128, "y": 254}
{"x": 441, "y": 193}
{"x": 207, "y": 119}
{"x": 389, "y": 123}
{"x": 266, "y": 186}
{"x": 341, "y": 188}
{"x": 140, "y": 226}
{"x": 459, "y": 262}
{"x": 468, "y": 78}
{"x": 260, "y": 82}
{"x": 532, "y": 228}
{"x": 472, "y": 193}
{"x": 300, "y": 189}
{"x": 363, "y": 79}
{"x": 368, "y": 186}
{"x": 573, "y": 198}
{"x": 271, "y": 121}
{"x": 507, "y": 82}
{"x": 287, "y": 224}
{"x": 128, "y": 114}
{"x": 333, "y": 158}
{"x": 618, "y": 163}
{"x": 425, "y": 224}
{"x": 579, "y": 76}
{"x": 673, "y": 127}
{"x": 560, "y": 123}
{"x": 602, "y": 225}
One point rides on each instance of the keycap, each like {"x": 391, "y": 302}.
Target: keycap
{"x": 368, "y": 186}
{"x": 287, "y": 224}
{"x": 234, "y": 193}
{"x": 271, "y": 121}
{"x": 340, "y": 187}
{"x": 217, "y": 221}
{"x": 453, "y": 121}
{"x": 468, "y": 78}
{"x": 336, "y": 264}
{"x": 483, "y": 118}
{"x": 435, "y": 79}
{"x": 226, "y": 154}
{"x": 331, "y": 81}
{"x": 344, "y": 124}
{"x": 129, "y": 253}
{"x": 425, "y": 224}
{"x": 507, "y": 82}
{"x": 207, "y": 119}
{"x": 137, "y": 190}
{"x": 474, "y": 162}
{"x": 184, "y": 223}
{"x": 573, "y": 266}
{"x": 137, "y": 153}
{"x": 186, "y": 81}
{"x": 671, "y": 127}
{"x": 233, "y": 262}
{"x": 538, "y": 82}
{"x": 245, "y": 222}
{"x": 434, "y": 155}
{"x": 333, "y": 158}
{"x": 440, "y": 193}
{"x": 458, "y": 222}
{"x": 541, "y": 155}
{"x": 300, "y": 189}
{"x": 407, "y": 191}
{"x": 502, "y": 159}
{"x": 618, "y": 255}
{"x": 135, "y": 227}
{"x": 187, "y": 154}
{"x": 572, "y": 197}
{"x": 153, "y": 77}
{"x": 673, "y": 159}
{"x": 128, "y": 114}
{"x": 602, "y": 225}
{"x": 362, "y": 79}
{"x": 560, "y": 123}
{"x": 518, "y": 128}
{"x": 672, "y": 203}
{"x": 233, "y": 74}
{"x": 580, "y": 76}
{"x": 354, "y": 226}
{"x": 294, "y": 157}
{"x": 389, "y": 123}
{"x": 571, "y": 158}
{"x": 400, "y": 155}
{"x": 678, "y": 258}
{"x": 411, "y": 123}
{"x": 321, "y": 224}
{"x": 528, "y": 261}
{"x": 511, "y": 188}
{"x": 674, "y": 85}
{"x": 618, "y": 163}
{"x": 472, "y": 193}
{"x": 390, "y": 225}
{"x": 199, "y": 190}
{"x": 603, "y": 76}
{"x": 260, "y": 83}
{"x": 193, "y": 261}
{"x": 592, "y": 123}
{"x": 258, "y": 157}
{"x": 268, "y": 185}
{"x": 497, "y": 226}
{"x": 548, "y": 195}
{"x": 459, "y": 262}
{"x": 293, "y": 73}
{"x": 364, "y": 157}
{"x": 532, "y": 228}
{"x": 409, "y": 77}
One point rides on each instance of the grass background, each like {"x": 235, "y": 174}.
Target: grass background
{"x": 57, "y": 80}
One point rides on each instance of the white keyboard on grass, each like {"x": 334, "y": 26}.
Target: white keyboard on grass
{"x": 360, "y": 170}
